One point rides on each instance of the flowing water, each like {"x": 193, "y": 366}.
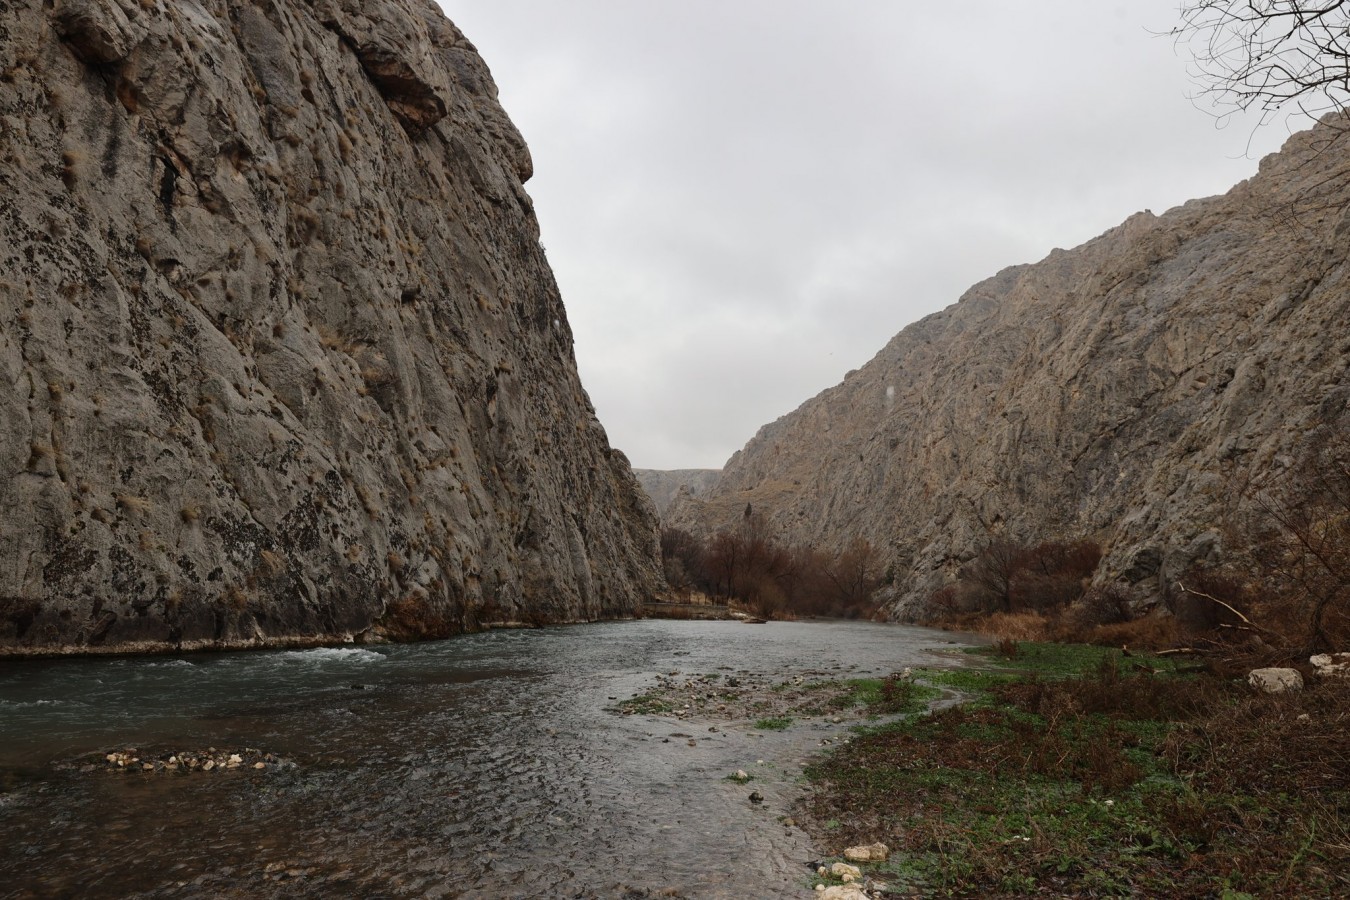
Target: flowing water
{"x": 488, "y": 765}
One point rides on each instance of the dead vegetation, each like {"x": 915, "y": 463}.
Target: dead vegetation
{"x": 1137, "y": 777}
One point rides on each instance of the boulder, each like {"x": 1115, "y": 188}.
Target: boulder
{"x": 843, "y": 892}
{"x": 839, "y": 870}
{"x": 877, "y": 852}
{"x": 1331, "y": 665}
{"x": 1275, "y": 680}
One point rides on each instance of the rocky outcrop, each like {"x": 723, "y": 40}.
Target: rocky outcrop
{"x": 281, "y": 357}
{"x": 664, "y": 485}
{"x": 1123, "y": 390}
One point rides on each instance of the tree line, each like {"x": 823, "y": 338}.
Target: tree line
{"x": 745, "y": 565}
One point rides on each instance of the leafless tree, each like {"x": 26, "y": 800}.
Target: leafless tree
{"x": 994, "y": 573}
{"x": 1265, "y": 54}
{"x": 1308, "y": 557}
{"x": 855, "y": 574}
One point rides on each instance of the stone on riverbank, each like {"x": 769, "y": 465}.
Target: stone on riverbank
{"x": 841, "y": 870}
{"x": 186, "y": 762}
{"x": 877, "y": 852}
{"x": 842, "y": 892}
{"x": 1275, "y": 680}
{"x": 1331, "y": 665}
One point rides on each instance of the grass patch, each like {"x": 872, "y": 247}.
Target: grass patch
{"x": 647, "y": 704}
{"x": 1090, "y": 773}
{"x": 774, "y": 723}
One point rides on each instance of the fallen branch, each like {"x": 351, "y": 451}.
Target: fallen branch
{"x": 1211, "y": 597}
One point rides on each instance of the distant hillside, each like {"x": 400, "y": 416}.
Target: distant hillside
{"x": 1121, "y": 390}
{"x": 663, "y": 485}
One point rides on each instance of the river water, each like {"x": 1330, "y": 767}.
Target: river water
{"x": 488, "y": 765}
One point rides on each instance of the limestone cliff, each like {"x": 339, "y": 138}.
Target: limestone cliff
{"x": 281, "y": 356}
{"x": 1119, "y": 390}
{"x": 664, "y": 485}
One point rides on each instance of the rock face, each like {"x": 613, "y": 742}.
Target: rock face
{"x": 281, "y": 356}
{"x": 1120, "y": 390}
{"x": 664, "y": 485}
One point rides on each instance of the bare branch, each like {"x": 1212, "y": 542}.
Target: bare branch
{"x": 1265, "y": 54}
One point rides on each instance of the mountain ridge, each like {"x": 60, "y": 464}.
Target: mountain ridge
{"x": 1120, "y": 390}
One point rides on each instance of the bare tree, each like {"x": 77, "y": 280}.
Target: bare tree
{"x": 855, "y": 574}
{"x": 1308, "y": 557}
{"x": 1264, "y": 54}
{"x": 994, "y": 573}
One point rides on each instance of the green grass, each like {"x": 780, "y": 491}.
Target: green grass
{"x": 1087, "y": 773}
{"x": 774, "y": 723}
{"x": 648, "y": 704}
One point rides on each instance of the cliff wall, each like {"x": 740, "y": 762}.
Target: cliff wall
{"x": 1124, "y": 390}
{"x": 281, "y": 357}
{"x": 664, "y": 485}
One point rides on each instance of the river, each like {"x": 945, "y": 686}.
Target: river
{"x": 489, "y": 765}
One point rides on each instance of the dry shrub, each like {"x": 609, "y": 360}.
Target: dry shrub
{"x": 1106, "y": 604}
{"x": 1151, "y": 632}
{"x": 415, "y": 618}
{"x": 1295, "y": 744}
{"x": 1019, "y": 626}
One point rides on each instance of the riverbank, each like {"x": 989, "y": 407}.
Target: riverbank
{"x": 1076, "y": 771}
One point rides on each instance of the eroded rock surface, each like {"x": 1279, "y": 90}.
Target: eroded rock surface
{"x": 1124, "y": 390}
{"x": 281, "y": 356}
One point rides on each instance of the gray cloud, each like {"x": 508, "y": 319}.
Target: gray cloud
{"x": 744, "y": 199}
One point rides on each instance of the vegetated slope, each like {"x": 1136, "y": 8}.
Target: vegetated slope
{"x": 664, "y": 485}
{"x": 1122, "y": 390}
{"x": 280, "y": 353}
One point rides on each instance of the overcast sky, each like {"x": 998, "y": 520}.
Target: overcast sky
{"x": 744, "y": 199}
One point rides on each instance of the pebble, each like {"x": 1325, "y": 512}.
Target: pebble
{"x": 756, "y": 797}
{"x": 183, "y": 762}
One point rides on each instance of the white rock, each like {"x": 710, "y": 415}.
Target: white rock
{"x": 839, "y": 870}
{"x": 870, "y": 853}
{"x": 844, "y": 892}
{"x": 1275, "y": 680}
{"x": 1331, "y": 665}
